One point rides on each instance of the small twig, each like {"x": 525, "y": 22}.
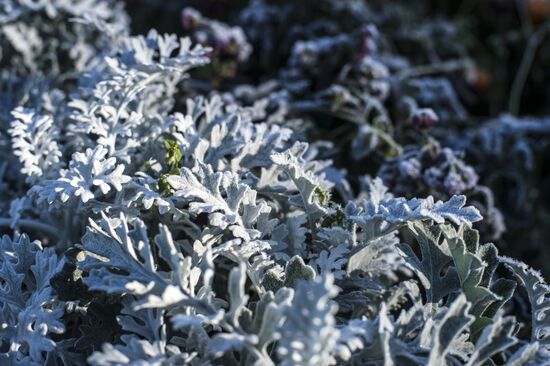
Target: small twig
{"x": 437, "y": 68}
{"x": 525, "y": 67}
{"x": 523, "y": 13}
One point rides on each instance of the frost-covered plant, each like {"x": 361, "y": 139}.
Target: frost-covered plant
{"x": 86, "y": 171}
{"x": 28, "y": 28}
{"x": 433, "y": 170}
{"x": 183, "y": 227}
{"x": 34, "y": 143}
{"x": 229, "y": 45}
{"x": 31, "y": 316}
{"x": 510, "y": 155}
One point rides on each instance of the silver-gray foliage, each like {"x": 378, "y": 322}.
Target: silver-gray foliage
{"x": 208, "y": 232}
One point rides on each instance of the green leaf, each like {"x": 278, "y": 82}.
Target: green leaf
{"x": 296, "y": 270}
{"x": 432, "y": 269}
{"x": 475, "y": 266}
{"x": 173, "y": 154}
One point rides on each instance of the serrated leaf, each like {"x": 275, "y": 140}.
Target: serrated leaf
{"x": 434, "y": 261}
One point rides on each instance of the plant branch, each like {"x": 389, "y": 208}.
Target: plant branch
{"x": 525, "y": 67}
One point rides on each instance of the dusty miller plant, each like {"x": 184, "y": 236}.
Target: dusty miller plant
{"x": 210, "y": 232}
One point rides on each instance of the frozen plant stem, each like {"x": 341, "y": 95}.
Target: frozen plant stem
{"x": 436, "y": 68}
{"x": 524, "y": 68}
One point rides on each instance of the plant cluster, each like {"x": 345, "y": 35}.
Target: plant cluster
{"x": 300, "y": 187}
